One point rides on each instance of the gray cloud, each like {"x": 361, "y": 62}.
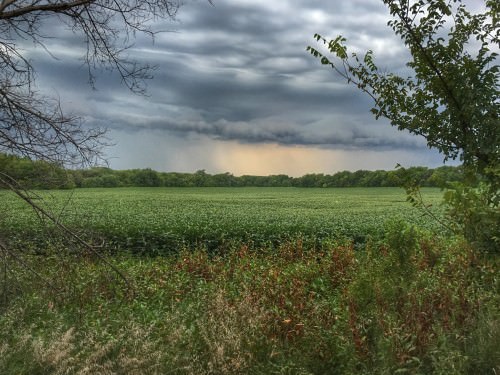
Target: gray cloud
{"x": 239, "y": 72}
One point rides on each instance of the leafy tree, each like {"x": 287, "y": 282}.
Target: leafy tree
{"x": 145, "y": 177}
{"x": 444, "y": 174}
{"x": 342, "y": 179}
{"x": 35, "y": 174}
{"x": 450, "y": 97}
{"x": 223, "y": 180}
{"x": 199, "y": 178}
{"x": 280, "y": 180}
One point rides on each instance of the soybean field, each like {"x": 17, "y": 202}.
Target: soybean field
{"x": 155, "y": 221}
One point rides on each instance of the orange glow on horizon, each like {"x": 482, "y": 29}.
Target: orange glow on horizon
{"x": 269, "y": 159}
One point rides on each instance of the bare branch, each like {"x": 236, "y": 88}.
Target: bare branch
{"x": 35, "y": 7}
{"x": 35, "y": 126}
{"x": 12, "y": 185}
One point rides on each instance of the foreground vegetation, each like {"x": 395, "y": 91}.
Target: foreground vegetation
{"x": 280, "y": 290}
{"x": 410, "y": 303}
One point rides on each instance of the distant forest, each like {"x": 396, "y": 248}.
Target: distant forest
{"x": 42, "y": 175}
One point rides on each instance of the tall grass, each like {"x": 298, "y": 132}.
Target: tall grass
{"x": 411, "y": 303}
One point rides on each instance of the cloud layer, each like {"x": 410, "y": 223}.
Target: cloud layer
{"x": 237, "y": 75}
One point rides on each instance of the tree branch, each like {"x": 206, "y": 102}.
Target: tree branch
{"x": 9, "y": 183}
{"x": 55, "y": 8}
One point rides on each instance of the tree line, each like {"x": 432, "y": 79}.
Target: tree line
{"x": 40, "y": 174}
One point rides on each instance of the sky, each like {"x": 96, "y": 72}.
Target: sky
{"x": 236, "y": 91}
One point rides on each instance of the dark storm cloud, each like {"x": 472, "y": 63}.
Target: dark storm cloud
{"x": 239, "y": 71}
{"x": 347, "y": 132}
{"x": 274, "y": 130}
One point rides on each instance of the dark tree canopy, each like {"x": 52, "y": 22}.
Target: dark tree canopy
{"x": 39, "y": 174}
{"x": 36, "y": 126}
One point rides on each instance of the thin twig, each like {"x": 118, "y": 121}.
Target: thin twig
{"x": 12, "y": 185}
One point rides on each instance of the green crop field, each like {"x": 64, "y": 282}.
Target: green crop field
{"x": 242, "y": 281}
{"x": 162, "y": 220}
